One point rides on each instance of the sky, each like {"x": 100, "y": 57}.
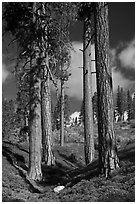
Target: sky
{"x": 122, "y": 49}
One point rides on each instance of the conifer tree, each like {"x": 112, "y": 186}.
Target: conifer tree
{"x": 86, "y": 16}
{"x": 133, "y": 107}
{"x": 63, "y": 55}
{"x": 21, "y": 21}
{"x": 129, "y": 105}
{"x": 56, "y": 113}
{"x": 25, "y": 21}
{"x": 108, "y": 158}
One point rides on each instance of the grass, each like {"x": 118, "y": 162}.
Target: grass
{"x": 120, "y": 187}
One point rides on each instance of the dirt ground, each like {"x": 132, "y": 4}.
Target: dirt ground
{"x": 85, "y": 185}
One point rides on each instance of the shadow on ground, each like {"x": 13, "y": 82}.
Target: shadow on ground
{"x": 67, "y": 170}
{"x": 81, "y": 183}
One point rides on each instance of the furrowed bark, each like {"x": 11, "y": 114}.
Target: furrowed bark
{"x": 35, "y": 134}
{"x": 108, "y": 159}
{"x": 47, "y": 142}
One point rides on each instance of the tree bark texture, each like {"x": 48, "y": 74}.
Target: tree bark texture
{"x": 35, "y": 134}
{"x": 108, "y": 159}
{"x": 62, "y": 108}
{"x": 47, "y": 142}
{"x": 87, "y": 94}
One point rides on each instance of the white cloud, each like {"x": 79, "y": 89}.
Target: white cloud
{"x": 113, "y": 57}
{"x": 5, "y": 73}
{"x": 75, "y": 82}
{"x": 127, "y": 56}
{"x": 118, "y": 79}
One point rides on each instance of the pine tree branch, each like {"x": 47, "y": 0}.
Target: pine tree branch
{"x": 88, "y": 43}
{"x": 52, "y": 79}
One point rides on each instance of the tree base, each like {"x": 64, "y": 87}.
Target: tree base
{"x": 111, "y": 162}
{"x": 48, "y": 157}
{"x": 35, "y": 175}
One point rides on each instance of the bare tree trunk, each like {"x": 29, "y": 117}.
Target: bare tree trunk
{"x": 62, "y": 114}
{"x": 108, "y": 159}
{"x": 35, "y": 134}
{"x": 87, "y": 92}
{"x": 47, "y": 142}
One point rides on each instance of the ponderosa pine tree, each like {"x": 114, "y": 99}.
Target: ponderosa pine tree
{"x": 56, "y": 113}
{"x": 45, "y": 26}
{"x": 35, "y": 131}
{"x": 30, "y": 44}
{"x": 47, "y": 142}
{"x": 63, "y": 55}
{"x": 108, "y": 158}
{"x": 22, "y": 23}
{"x": 29, "y": 36}
{"x": 85, "y": 15}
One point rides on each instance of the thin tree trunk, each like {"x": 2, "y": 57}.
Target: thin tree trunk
{"x": 87, "y": 92}
{"x": 108, "y": 159}
{"x": 62, "y": 114}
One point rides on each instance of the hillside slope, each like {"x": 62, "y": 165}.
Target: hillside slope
{"x": 82, "y": 183}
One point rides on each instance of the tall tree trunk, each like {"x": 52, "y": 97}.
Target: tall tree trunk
{"x": 35, "y": 134}
{"x": 62, "y": 114}
{"x": 87, "y": 92}
{"x": 108, "y": 159}
{"x": 47, "y": 142}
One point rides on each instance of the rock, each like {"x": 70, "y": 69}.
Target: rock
{"x": 58, "y": 189}
{"x": 125, "y": 128}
